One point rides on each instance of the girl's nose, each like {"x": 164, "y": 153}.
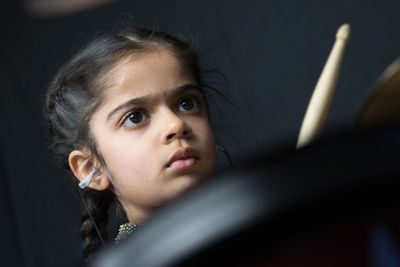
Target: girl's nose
{"x": 175, "y": 128}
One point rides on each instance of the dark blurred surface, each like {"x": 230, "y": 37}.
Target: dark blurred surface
{"x": 271, "y": 52}
{"x": 334, "y": 203}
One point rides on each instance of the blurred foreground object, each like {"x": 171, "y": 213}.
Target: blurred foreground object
{"x": 316, "y": 206}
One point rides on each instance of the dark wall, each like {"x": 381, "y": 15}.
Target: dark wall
{"x": 271, "y": 52}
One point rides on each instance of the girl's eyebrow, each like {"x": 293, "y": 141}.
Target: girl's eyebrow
{"x": 143, "y": 99}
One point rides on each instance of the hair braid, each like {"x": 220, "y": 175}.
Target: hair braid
{"x": 97, "y": 203}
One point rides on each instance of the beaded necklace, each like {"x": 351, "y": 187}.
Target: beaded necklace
{"x": 125, "y": 230}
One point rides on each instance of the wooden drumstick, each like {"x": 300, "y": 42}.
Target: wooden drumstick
{"x": 323, "y": 93}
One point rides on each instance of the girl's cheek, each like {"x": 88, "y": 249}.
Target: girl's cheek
{"x": 137, "y": 160}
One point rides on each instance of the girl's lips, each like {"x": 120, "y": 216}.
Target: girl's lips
{"x": 183, "y": 163}
{"x": 183, "y": 157}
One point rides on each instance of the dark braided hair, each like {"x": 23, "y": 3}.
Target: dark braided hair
{"x": 76, "y": 92}
{"x": 97, "y": 204}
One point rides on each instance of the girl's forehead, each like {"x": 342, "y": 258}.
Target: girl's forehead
{"x": 152, "y": 73}
{"x": 143, "y": 71}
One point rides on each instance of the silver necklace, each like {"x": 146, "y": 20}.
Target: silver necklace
{"x": 124, "y": 231}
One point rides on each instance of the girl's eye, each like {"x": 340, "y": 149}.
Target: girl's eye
{"x": 188, "y": 104}
{"x": 134, "y": 118}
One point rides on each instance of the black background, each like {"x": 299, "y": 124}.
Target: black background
{"x": 271, "y": 52}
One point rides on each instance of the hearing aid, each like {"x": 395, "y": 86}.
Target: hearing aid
{"x": 88, "y": 178}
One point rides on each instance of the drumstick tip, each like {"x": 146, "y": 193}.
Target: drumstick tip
{"x": 343, "y": 32}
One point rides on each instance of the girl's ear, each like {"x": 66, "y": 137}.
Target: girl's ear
{"x": 81, "y": 164}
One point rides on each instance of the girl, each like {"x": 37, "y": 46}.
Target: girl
{"x": 128, "y": 117}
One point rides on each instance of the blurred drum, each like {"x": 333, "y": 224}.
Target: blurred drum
{"x": 332, "y": 203}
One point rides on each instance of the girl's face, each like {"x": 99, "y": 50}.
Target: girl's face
{"x": 153, "y": 132}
